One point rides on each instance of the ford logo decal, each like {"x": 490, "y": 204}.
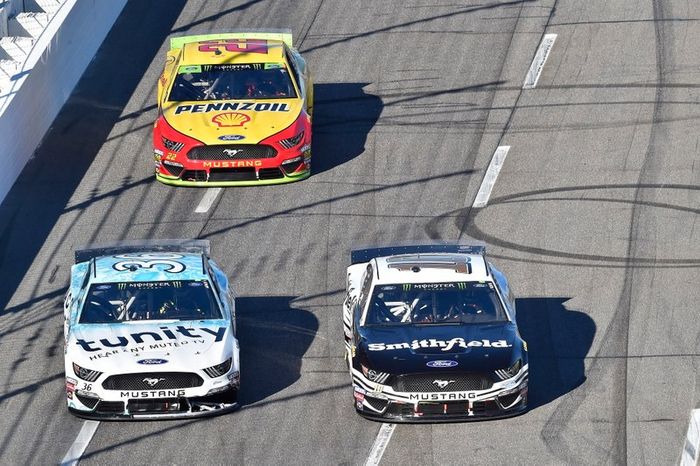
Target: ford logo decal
{"x": 441, "y": 363}
{"x": 231, "y": 137}
{"x": 149, "y": 362}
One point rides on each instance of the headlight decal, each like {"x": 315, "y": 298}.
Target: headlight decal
{"x": 374, "y": 376}
{"x": 512, "y": 371}
{"x": 86, "y": 374}
{"x": 219, "y": 369}
{"x": 293, "y": 141}
{"x": 172, "y": 145}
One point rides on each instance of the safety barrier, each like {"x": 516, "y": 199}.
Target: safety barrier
{"x": 47, "y": 56}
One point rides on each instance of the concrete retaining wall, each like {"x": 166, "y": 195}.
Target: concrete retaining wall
{"x": 42, "y": 84}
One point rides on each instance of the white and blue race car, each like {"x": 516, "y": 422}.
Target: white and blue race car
{"x": 150, "y": 333}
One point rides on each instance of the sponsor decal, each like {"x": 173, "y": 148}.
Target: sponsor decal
{"x": 232, "y": 107}
{"x": 153, "y": 394}
{"x": 441, "y": 364}
{"x": 442, "y": 383}
{"x": 233, "y": 164}
{"x": 70, "y": 387}
{"x": 232, "y": 152}
{"x": 152, "y": 381}
{"x": 150, "y": 362}
{"x": 225, "y": 120}
{"x": 231, "y": 137}
{"x": 442, "y": 396}
{"x": 359, "y": 396}
{"x": 359, "y": 405}
{"x": 156, "y": 336}
{"x": 189, "y": 69}
{"x": 444, "y": 345}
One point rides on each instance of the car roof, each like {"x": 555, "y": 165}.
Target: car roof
{"x": 273, "y": 52}
{"x": 118, "y": 269}
{"x": 431, "y": 268}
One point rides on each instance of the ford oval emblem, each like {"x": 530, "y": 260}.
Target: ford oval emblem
{"x": 441, "y": 364}
{"x": 231, "y": 137}
{"x": 149, "y": 362}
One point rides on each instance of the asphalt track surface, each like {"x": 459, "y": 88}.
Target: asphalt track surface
{"x": 593, "y": 217}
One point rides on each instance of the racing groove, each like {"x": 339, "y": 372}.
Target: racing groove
{"x": 592, "y": 217}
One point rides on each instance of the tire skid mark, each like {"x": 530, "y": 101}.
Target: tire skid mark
{"x": 615, "y": 340}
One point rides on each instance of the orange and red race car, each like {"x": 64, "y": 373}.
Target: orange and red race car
{"x": 233, "y": 109}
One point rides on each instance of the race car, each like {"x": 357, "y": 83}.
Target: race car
{"x": 150, "y": 333}
{"x": 431, "y": 335}
{"x": 233, "y": 109}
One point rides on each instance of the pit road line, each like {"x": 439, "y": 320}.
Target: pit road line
{"x": 689, "y": 456}
{"x": 207, "y": 201}
{"x": 380, "y": 443}
{"x": 482, "y": 197}
{"x": 533, "y": 74}
{"x": 81, "y": 442}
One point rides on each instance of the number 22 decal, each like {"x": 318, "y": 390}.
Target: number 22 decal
{"x": 237, "y": 45}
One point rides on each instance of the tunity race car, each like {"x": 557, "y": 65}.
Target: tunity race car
{"x": 150, "y": 333}
{"x": 233, "y": 109}
{"x": 430, "y": 334}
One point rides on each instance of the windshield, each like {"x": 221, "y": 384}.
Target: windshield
{"x": 230, "y": 82}
{"x": 139, "y": 301}
{"x": 435, "y": 303}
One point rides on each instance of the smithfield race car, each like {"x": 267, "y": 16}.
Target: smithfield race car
{"x": 233, "y": 109}
{"x": 150, "y": 333}
{"x": 430, "y": 335}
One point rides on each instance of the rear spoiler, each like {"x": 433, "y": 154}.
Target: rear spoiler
{"x": 285, "y": 35}
{"x": 196, "y": 246}
{"x": 358, "y": 256}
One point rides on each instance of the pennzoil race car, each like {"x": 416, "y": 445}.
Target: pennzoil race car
{"x": 233, "y": 109}
{"x": 150, "y": 333}
{"x": 430, "y": 335}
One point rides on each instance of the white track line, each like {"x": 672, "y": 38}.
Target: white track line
{"x": 482, "y": 197}
{"x": 690, "y": 454}
{"x": 380, "y": 443}
{"x": 535, "y": 70}
{"x": 207, "y": 201}
{"x": 76, "y": 450}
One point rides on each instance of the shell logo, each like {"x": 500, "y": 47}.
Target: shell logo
{"x": 226, "y": 120}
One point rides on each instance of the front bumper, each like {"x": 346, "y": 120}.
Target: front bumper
{"x": 158, "y": 408}
{"x": 451, "y": 411}
{"x": 286, "y": 167}
{"x": 174, "y": 181}
{"x": 382, "y": 403}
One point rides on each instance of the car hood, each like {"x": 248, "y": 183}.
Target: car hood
{"x": 151, "y": 346}
{"x": 210, "y": 120}
{"x": 420, "y": 348}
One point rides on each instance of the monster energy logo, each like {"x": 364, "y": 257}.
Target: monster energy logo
{"x": 462, "y": 286}
{"x": 406, "y": 286}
